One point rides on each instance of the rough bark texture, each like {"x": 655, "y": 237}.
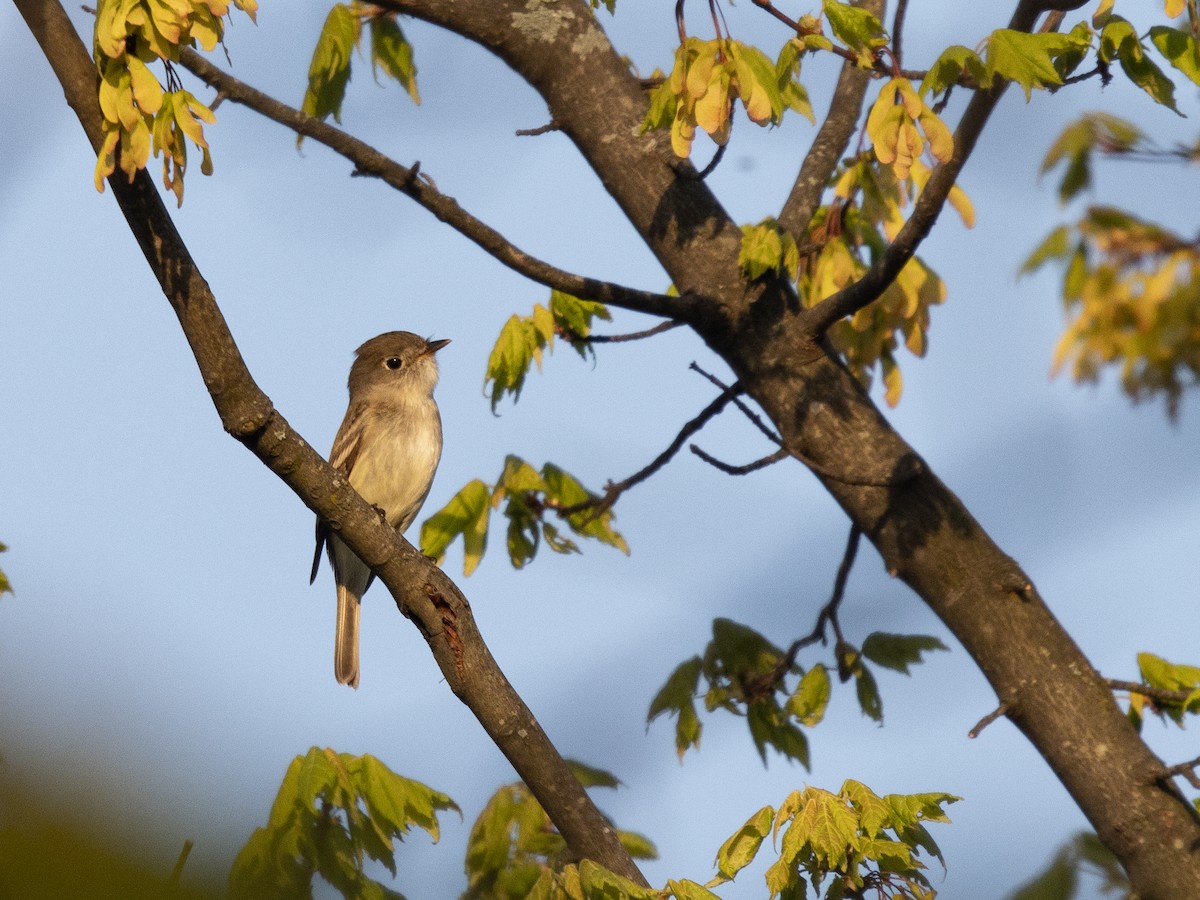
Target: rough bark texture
{"x": 923, "y": 532}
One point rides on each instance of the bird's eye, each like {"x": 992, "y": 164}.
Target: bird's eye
{"x": 393, "y": 362}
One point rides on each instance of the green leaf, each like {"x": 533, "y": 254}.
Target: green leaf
{"x": 1179, "y": 48}
{"x": 743, "y": 845}
{"x": 948, "y": 68}
{"x": 689, "y": 890}
{"x": 679, "y": 690}
{"x": 899, "y": 651}
{"x": 811, "y": 697}
{"x": 1159, "y": 673}
{"x": 1056, "y": 246}
{"x": 329, "y": 71}
{"x": 757, "y": 83}
{"x": 573, "y": 317}
{"x": 391, "y": 51}
{"x": 1028, "y": 59}
{"x": 829, "y": 829}
{"x": 768, "y": 249}
{"x": 792, "y": 93}
{"x": 856, "y": 28}
{"x": 519, "y": 344}
{"x": 1119, "y": 41}
{"x": 874, "y": 813}
{"x": 601, "y": 884}
{"x": 868, "y": 693}
{"x": 769, "y": 727}
{"x": 333, "y": 811}
{"x": 637, "y": 845}
{"x": 590, "y": 776}
{"x": 467, "y": 514}
{"x": 565, "y": 490}
{"x": 741, "y": 649}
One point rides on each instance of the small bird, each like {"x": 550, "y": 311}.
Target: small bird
{"x": 388, "y": 446}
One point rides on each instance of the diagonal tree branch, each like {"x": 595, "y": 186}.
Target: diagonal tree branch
{"x": 933, "y": 197}
{"x": 829, "y": 145}
{"x": 369, "y": 161}
{"x": 421, "y": 590}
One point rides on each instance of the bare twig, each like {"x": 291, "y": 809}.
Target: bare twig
{"x": 541, "y": 129}
{"x": 987, "y": 720}
{"x": 1163, "y": 695}
{"x": 828, "y": 616}
{"x": 740, "y": 470}
{"x": 633, "y": 336}
{"x": 913, "y": 467}
{"x": 746, "y": 410}
{"x": 1187, "y": 770}
{"x": 613, "y": 491}
{"x": 369, "y": 161}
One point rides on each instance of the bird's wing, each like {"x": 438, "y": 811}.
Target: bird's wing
{"x": 346, "y": 447}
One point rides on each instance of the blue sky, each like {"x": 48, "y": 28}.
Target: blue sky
{"x": 164, "y": 656}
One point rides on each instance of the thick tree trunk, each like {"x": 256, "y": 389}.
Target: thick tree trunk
{"x": 926, "y": 536}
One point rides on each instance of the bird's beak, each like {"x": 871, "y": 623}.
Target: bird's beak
{"x": 432, "y": 347}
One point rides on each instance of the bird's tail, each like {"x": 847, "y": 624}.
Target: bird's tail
{"x": 345, "y": 650}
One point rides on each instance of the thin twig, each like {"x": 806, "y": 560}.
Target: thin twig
{"x": 541, "y": 129}
{"x": 1151, "y": 693}
{"x": 828, "y": 616}
{"x": 613, "y": 491}
{"x": 634, "y": 336}
{"x": 740, "y": 404}
{"x": 911, "y": 469}
{"x": 1187, "y": 770}
{"x": 369, "y": 161}
{"x": 987, "y": 720}
{"x": 740, "y": 470}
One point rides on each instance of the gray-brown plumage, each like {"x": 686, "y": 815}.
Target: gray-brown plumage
{"x": 388, "y": 446}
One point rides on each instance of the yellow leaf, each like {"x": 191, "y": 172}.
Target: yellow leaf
{"x": 205, "y": 28}
{"x": 712, "y": 109}
{"x": 963, "y": 206}
{"x": 109, "y": 82}
{"x": 892, "y": 379}
{"x": 682, "y": 134}
{"x": 146, "y": 90}
{"x": 941, "y": 141}
{"x": 106, "y": 159}
{"x": 1173, "y": 7}
{"x": 700, "y": 75}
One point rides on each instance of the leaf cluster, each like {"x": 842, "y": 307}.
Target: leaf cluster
{"x": 514, "y": 851}
{"x": 858, "y": 840}
{"x": 329, "y": 70}
{"x": 527, "y": 495}
{"x": 140, "y": 117}
{"x": 523, "y": 339}
{"x": 709, "y": 77}
{"x": 747, "y": 675}
{"x": 1129, "y": 288}
{"x": 333, "y": 812}
{"x": 1177, "y": 678}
